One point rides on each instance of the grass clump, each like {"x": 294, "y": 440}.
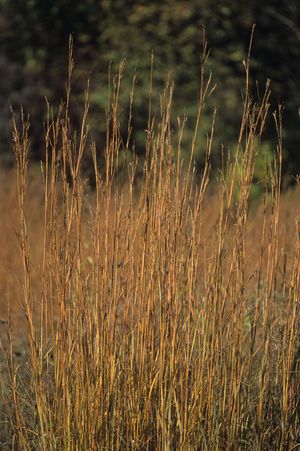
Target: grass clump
{"x": 143, "y": 330}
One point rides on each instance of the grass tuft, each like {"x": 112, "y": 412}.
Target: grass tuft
{"x": 159, "y": 310}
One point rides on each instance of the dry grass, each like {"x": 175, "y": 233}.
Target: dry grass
{"x": 155, "y": 314}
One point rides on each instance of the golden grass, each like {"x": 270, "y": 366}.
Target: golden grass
{"x": 160, "y": 313}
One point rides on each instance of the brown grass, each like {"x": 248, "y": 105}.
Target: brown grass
{"x": 161, "y": 313}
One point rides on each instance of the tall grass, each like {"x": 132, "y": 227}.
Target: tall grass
{"x": 142, "y": 332}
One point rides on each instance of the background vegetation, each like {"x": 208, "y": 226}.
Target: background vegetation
{"x": 34, "y": 36}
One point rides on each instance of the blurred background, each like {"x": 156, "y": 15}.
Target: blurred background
{"x": 33, "y": 64}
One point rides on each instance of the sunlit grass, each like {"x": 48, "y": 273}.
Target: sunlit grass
{"x": 153, "y": 318}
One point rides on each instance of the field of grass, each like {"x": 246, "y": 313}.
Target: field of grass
{"x": 157, "y": 311}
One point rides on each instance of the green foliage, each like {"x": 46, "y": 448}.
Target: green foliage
{"x": 34, "y": 37}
